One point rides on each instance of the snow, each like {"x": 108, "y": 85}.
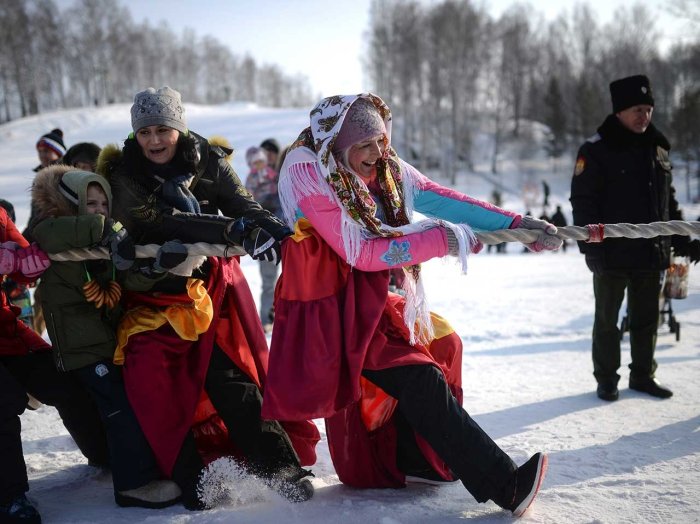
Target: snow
{"x": 525, "y": 321}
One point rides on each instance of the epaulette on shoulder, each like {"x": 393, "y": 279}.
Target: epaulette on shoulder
{"x": 593, "y": 139}
{"x": 110, "y": 156}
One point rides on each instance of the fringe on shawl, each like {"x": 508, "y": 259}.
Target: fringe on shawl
{"x": 299, "y": 182}
{"x": 302, "y": 179}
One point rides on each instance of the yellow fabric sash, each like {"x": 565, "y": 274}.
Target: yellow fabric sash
{"x": 188, "y": 320}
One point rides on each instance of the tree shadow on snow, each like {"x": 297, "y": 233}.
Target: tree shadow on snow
{"x": 517, "y": 419}
{"x": 532, "y": 349}
{"x": 624, "y": 455}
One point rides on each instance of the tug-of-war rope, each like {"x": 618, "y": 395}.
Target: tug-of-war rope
{"x": 589, "y": 233}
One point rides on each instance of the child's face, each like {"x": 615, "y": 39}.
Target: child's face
{"x": 97, "y": 203}
{"x": 85, "y": 166}
{"x": 259, "y": 165}
{"x": 47, "y": 156}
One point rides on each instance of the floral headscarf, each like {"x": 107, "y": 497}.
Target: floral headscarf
{"x": 326, "y": 121}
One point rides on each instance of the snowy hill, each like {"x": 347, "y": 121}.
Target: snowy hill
{"x": 525, "y": 321}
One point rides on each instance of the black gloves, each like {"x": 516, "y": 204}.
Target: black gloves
{"x": 596, "y": 263}
{"x": 257, "y": 242}
{"x": 690, "y": 249}
{"x": 121, "y": 246}
{"x": 171, "y": 254}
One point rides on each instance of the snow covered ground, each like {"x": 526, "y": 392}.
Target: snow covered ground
{"x": 525, "y": 321}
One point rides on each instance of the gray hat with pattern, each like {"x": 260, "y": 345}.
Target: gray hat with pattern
{"x": 158, "y": 108}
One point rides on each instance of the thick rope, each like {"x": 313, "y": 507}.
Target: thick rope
{"x": 149, "y": 251}
{"x": 655, "y": 229}
{"x": 526, "y": 236}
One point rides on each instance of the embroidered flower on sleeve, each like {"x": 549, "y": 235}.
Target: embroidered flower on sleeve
{"x": 397, "y": 253}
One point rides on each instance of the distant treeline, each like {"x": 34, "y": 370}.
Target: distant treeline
{"x": 94, "y": 53}
{"x": 448, "y": 69}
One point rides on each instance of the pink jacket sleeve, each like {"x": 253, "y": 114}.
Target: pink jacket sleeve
{"x": 376, "y": 254}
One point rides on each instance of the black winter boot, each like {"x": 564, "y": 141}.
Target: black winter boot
{"x": 650, "y": 386}
{"x": 527, "y": 483}
{"x": 607, "y": 391}
{"x": 154, "y": 495}
{"x": 19, "y": 511}
{"x": 293, "y": 483}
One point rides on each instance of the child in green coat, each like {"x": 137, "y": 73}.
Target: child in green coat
{"x": 81, "y": 303}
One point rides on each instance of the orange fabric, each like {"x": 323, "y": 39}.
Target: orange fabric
{"x": 188, "y": 320}
{"x": 376, "y": 406}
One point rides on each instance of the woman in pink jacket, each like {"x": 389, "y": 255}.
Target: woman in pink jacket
{"x": 382, "y": 370}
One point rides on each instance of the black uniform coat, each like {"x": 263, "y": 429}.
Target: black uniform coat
{"x": 621, "y": 176}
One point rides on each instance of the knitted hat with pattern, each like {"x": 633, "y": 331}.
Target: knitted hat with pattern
{"x": 162, "y": 107}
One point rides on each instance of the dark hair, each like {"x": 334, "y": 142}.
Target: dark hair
{"x": 81, "y": 152}
{"x": 7, "y": 206}
{"x": 270, "y": 144}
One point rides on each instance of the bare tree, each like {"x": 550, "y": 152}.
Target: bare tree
{"x": 18, "y": 57}
{"x": 516, "y": 58}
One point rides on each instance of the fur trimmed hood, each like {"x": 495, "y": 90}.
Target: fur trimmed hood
{"x": 107, "y": 161}
{"x": 60, "y": 190}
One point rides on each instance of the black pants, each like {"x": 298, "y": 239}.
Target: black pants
{"x": 264, "y": 443}
{"x": 131, "y": 457}
{"x": 429, "y": 408}
{"x": 238, "y": 401}
{"x": 35, "y": 373}
{"x": 643, "y": 288}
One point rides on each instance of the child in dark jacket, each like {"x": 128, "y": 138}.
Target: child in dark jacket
{"x": 81, "y": 302}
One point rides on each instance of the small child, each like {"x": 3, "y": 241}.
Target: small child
{"x": 81, "y": 302}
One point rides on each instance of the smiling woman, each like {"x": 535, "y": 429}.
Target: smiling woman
{"x": 382, "y": 369}
{"x": 193, "y": 347}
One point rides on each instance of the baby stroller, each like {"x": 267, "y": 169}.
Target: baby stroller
{"x": 674, "y": 286}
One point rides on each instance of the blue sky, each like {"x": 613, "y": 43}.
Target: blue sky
{"x": 321, "y": 39}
